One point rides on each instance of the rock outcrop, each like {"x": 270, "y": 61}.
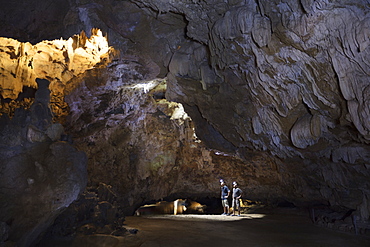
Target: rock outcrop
{"x": 95, "y": 212}
{"x": 40, "y": 175}
{"x": 59, "y": 61}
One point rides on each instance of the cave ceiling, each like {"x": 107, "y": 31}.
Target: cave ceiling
{"x": 288, "y": 78}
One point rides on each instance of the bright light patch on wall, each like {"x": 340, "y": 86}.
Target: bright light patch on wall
{"x": 147, "y": 86}
{"x": 179, "y": 113}
{"x": 195, "y": 137}
{"x": 221, "y": 153}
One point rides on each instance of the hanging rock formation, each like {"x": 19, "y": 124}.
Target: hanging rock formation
{"x": 290, "y": 79}
{"x": 59, "y": 61}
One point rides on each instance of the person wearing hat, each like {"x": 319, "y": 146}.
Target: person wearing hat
{"x": 237, "y": 194}
{"x": 225, "y": 192}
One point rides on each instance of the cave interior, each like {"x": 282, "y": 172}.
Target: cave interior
{"x": 117, "y": 108}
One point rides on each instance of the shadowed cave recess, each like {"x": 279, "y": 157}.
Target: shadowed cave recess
{"x": 110, "y": 105}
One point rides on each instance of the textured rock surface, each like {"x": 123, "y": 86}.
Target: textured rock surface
{"x": 287, "y": 78}
{"x": 137, "y": 142}
{"x": 284, "y": 74}
{"x": 59, "y": 60}
{"x": 40, "y": 175}
{"x": 95, "y": 212}
{"x": 145, "y": 147}
{"x": 130, "y": 123}
{"x": 278, "y": 93}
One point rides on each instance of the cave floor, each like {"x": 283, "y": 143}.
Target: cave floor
{"x": 247, "y": 230}
{"x": 254, "y": 229}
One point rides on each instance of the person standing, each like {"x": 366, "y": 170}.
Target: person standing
{"x": 237, "y": 194}
{"x": 225, "y": 192}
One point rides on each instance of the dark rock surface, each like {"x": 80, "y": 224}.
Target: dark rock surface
{"x": 40, "y": 175}
{"x": 287, "y": 78}
{"x": 96, "y": 211}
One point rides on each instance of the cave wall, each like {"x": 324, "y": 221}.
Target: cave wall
{"x": 287, "y": 78}
{"x": 278, "y": 93}
{"x": 296, "y": 77}
{"x": 146, "y": 147}
{"x": 40, "y": 174}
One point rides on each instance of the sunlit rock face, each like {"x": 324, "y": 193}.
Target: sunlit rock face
{"x": 40, "y": 174}
{"x": 59, "y": 61}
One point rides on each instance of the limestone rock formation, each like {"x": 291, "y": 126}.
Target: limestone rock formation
{"x": 274, "y": 69}
{"x": 59, "y": 61}
{"x": 40, "y": 175}
{"x": 290, "y": 78}
{"x": 277, "y": 92}
{"x": 129, "y": 122}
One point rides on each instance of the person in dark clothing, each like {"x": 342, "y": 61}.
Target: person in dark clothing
{"x": 225, "y": 192}
{"x": 237, "y": 194}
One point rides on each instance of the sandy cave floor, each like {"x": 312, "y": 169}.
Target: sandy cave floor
{"x": 255, "y": 230}
{"x": 247, "y": 230}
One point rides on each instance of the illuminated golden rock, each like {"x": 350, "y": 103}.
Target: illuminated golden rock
{"x": 58, "y": 61}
